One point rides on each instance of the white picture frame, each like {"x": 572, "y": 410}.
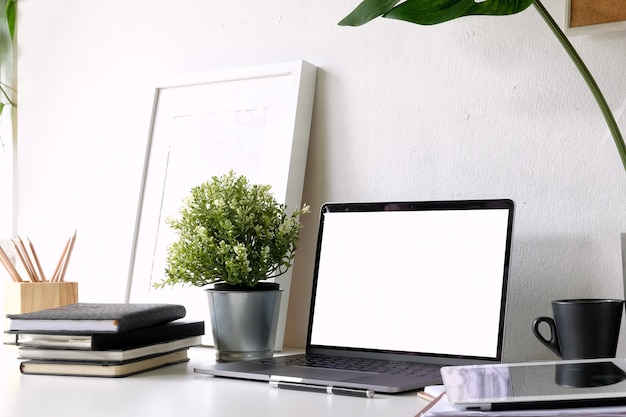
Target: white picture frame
{"x": 600, "y": 16}
{"x": 255, "y": 121}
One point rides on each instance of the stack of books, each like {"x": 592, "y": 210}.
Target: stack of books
{"x": 106, "y": 340}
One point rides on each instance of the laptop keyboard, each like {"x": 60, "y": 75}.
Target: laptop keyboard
{"x": 362, "y": 365}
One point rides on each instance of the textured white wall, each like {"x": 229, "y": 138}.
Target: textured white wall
{"x": 476, "y": 108}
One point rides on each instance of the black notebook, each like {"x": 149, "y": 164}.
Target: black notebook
{"x": 131, "y": 339}
{"x": 399, "y": 286}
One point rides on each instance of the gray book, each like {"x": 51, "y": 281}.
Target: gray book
{"x": 88, "y": 318}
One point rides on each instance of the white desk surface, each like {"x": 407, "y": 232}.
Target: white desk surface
{"x": 178, "y": 391}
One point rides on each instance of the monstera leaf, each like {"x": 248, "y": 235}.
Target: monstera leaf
{"x": 432, "y": 12}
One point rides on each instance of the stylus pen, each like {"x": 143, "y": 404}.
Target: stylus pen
{"x": 328, "y": 389}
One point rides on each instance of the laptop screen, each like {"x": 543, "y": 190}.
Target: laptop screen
{"x": 427, "y": 278}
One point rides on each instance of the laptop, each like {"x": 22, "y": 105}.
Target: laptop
{"x": 537, "y": 385}
{"x": 399, "y": 286}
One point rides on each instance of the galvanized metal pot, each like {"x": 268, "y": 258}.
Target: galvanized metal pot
{"x": 244, "y": 320}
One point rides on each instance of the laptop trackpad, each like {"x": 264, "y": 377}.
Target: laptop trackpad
{"x": 316, "y": 373}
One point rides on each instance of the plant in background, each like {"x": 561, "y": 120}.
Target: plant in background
{"x": 231, "y": 231}
{"x": 7, "y": 34}
{"x": 431, "y": 12}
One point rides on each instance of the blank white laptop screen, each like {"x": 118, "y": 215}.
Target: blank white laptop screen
{"x": 384, "y": 277}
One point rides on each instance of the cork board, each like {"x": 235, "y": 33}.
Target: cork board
{"x": 593, "y": 12}
{"x": 588, "y": 16}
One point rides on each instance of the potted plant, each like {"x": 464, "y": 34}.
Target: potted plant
{"x": 432, "y": 12}
{"x": 233, "y": 236}
{"x": 7, "y": 35}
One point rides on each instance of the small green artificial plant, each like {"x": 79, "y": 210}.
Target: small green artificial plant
{"x": 432, "y": 12}
{"x": 231, "y": 231}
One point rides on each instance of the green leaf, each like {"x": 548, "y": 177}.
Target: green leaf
{"x": 432, "y": 12}
{"x": 10, "y": 13}
{"x": 366, "y": 11}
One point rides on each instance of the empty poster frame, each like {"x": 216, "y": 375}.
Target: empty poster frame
{"x": 255, "y": 121}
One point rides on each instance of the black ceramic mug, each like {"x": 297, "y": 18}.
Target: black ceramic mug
{"x": 582, "y": 328}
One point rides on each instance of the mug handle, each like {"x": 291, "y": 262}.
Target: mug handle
{"x": 553, "y": 342}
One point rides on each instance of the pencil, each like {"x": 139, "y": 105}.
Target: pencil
{"x": 31, "y": 265}
{"x": 15, "y": 276}
{"x": 24, "y": 258}
{"x": 67, "y": 257}
{"x": 57, "y": 271}
{"x": 32, "y": 249}
{"x": 430, "y": 405}
{"x": 425, "y": 396}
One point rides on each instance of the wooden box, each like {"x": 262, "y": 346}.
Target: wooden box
{"x": 24, "y": 297}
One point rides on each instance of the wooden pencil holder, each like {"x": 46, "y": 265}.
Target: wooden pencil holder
{"x": 24, "y": 297}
